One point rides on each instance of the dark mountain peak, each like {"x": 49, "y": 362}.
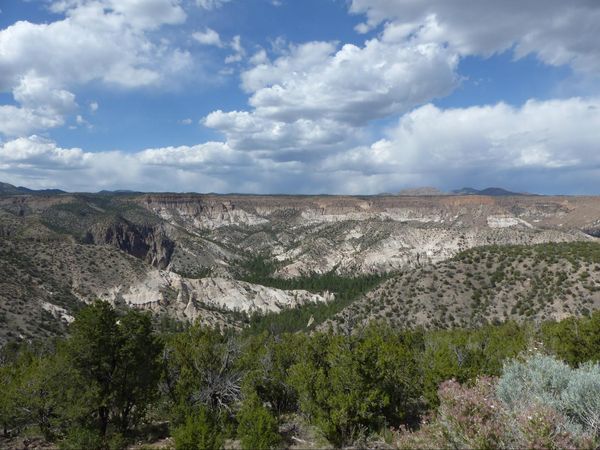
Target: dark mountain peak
{"x": 491, "y": 191}
{"x": 119, "y": 192}
{"x": 9, "y": 189}
{"x": 422, "y": 191}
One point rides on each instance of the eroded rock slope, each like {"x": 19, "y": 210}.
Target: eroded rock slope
{"x": 184, "y": 254}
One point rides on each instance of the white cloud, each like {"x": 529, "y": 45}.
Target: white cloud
{"x": 33, "y": 91}
{"x": 320, "y": 97}
{"x": 312, "y": 104}
{"x": 249, "y": 131}
{"x": 104, "y": 40}
{"x": 150, "y": 14}
{"x": 208, "y": 157}
{"x": 297, "y": 60}
{"x": 208, "y": 37}
{"x": 317, "y": 96}
{"x": 558, "y": 32}
{"x": 352, "y": 84}
{"x": 260, "y": 57}
{"x": 37, "y": 153}
{"x": 455, "y": 147}
{"x": 362, "y": 28}
{"x": 238, "y": 49}
{"x": 89, "y": 44}
{"x": 211, "y": 37}
{"x": 544, "y": 146}
{"x": 15, "y": 121}
{"x": 207, "y": 167}
{"x": 139, "y": 14}
{"x": 211, "y": 4}
{"x": 42, "y": 106}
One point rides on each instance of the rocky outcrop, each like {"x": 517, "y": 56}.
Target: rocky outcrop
{"x": 148, "y": 243}
{"x": 209, "y": 212}
{"x": 194, "y": 213}
{"x": 191, "y": 298}
{"x": 372, "y": 234}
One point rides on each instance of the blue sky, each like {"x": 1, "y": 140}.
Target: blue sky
{"x": 310, "y": 96}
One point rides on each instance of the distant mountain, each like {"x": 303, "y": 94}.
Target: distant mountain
{"x": 433, "y": 191}
{"x": 9, "y": 189}
{"x": 491, "y": 191}
{"x": 421, "y": 191}
{"x": 119, "y": 192}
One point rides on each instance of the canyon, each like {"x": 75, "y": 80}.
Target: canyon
{"x": 186, "y": 255}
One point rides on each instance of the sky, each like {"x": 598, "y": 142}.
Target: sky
{"x": 300, "y": 96}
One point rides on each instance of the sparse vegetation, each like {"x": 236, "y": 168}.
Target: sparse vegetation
{"x": 488, "y": 284}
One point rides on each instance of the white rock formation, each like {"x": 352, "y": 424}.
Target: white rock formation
{"x": 58, "y": 312}
{"x": 187, "y": 297}
{"x": 506, "y": 221}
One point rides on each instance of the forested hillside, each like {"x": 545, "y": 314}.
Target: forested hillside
{"x": 117, "y": 380}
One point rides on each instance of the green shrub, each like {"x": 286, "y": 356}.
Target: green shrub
{"x": 117, "y": 441}
{"x": 574, "y": 340}
{"x": 350, "y": 385}
{"x": 200, "y": 431}
{"x": 257, "y": 428}
{"x": 78, "y": 438}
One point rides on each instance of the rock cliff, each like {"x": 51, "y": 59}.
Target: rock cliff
{"x": 145, "y": 242}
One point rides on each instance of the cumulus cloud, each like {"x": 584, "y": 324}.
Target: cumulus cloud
{"x": 298, "y": 59}
{"x": 353, "y": 84}
{"x": 312, "y": 106}
{"x": 208, "y": 37}
{"x": 317, "y": 96}
{"x": 139, "y": 14}
{"x": 544, "y": 146}
{"x": 105, "y": 40}
{"x": 483, "y": 145}
{"x": 260, "y": 57}
{"x": 249, "y": 131}
{"x": 314, "y": 93}
{"x": 90, "y": 43}
{"x": 15, "y": 121}
{"x": 35, "y": 153}
{"x": 43, "y": 106}
{"x": 557, "y": 32}
{"x": 38, "y": 162}
{"x": 210, "y": 157}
